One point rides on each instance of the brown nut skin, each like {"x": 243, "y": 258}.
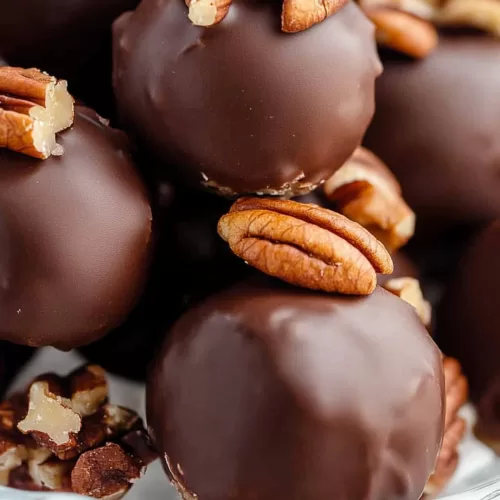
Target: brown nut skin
{"x": 432, "y": 129}
{"x": 268, "y": 391}
{"x": 75, "y": 238}
{"x": 70, "y": 39}
{"x": 305, "y": 245}
{"x": 242, "y": 107}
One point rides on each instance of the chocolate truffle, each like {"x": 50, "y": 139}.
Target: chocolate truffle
{"x": 266, "y": 391}
{"x": 70, "y": 39}
{"x": 436, "y": 127}
{"x": 242, "y": 107}
{"x": 468, "y": 326}
{"x": 75, "y": 238}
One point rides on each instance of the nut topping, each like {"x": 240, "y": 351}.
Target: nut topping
{"x": 33, "y": 108}
{"x": 106, "y": 472}
{"x": 62, "y": 435}
{"x": 297, "y": 15}
{"x": 207, "y": 12}
{"x": 305, "y": 245}
{"x": 404, "y": 32}
{"x": 50, "y": 417}
{"x": 408, "y": 289}
{"x": 366, "y": 191}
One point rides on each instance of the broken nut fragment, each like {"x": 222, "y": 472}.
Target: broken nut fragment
{"x": 50, "y": 418}
{"x": 403, "y": 31}
{"x": 89, "y": 390}
{"x": 34, "y": 107}
{"x": 481, "y": 14}
{"x": 305, "y": 245}
{"x": 300, "y": 15}
{"x": 207, "y": 12}
{"x": 297, "y": 15}
{"x": 106, "y": 472}
{"x": 366, "y": 191}
{"x": 408, "y": 289}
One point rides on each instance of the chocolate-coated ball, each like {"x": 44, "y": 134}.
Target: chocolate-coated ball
{"x": 242, "y": 107}
{"x": 468, "y": 325}
{"x": 70, "y": 39}
{"x": 436, "y": 127}
{"x": 75, "y": 238}
{"x": 269, "y": 392}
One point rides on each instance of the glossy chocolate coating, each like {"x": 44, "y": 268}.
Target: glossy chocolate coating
{"x": 268, "y": 392}
{"x": 242, "y": 105}
{"x": 468, "y": 323}
{"x": 191, "y": 262}
{"x": 436, "y": 126}
{"x": 75, "y": 237}
{"x": 70, "y": 39}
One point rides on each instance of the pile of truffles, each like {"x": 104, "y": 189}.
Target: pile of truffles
{"x": 232, "y": 234}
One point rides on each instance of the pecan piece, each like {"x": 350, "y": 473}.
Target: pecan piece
{"x": 481, "y": 14}
{"x": 106, "y": 472}
{"x": 305, "y": 245}
{"x": 408, "y": 289}
{"x": 207, "y": 12}
{"x": 366, "y": 191}
{"x": 33, "y": 108}
{"x": 50, "y": 419}
{"x": 454, "y": 430}
{"x": 89, "y": 389}
{"x": 403, "y": 31}
{"x": 299, "y": 15}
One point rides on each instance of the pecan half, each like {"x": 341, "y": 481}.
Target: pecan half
{"x": 403, "y": 31}
{"x": 299, "y": 15}
{"x": 454, "y": 430}
{"x": 305, "y": 245}
{"x": 366, "y": 191}
{"x": 408, "y": 289}
{"x": 33, "y": 108}
{"x": 481, "y": 14}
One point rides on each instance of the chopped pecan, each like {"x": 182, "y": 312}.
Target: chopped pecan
{"x": 408, "y": 289}
{"x": 299, "y": 15}
{"x": 305, "y": 245}
{"x": 404, "y": 32}
{"x": 207, "y": 12}
{"x": 106, "y": 472}
{"x": 50, "y": 419}
{"x": 33, "y": 108}
{"x": 366, "y": 191}
{"x": 89, "y": 389}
